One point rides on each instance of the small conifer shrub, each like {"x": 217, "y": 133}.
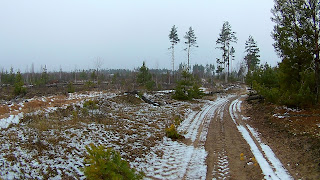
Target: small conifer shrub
{"x": 101, "y": 164}
{"x": 172, "y": 133}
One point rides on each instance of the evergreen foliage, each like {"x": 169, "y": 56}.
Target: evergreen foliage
{"x": 144, "y": 77}
{"x": 296, "y": 36}
{"x": 18, "y": 85}
{"x": 226, "y": 37}
{"x": 8, "y": 78}
{"x": 191, "y": 41}
{"x": 187, "y": 88}
{"x": 44, "y": 77}
{"x": 103, "y": 164}
{"x": 174, "y": 39}
{"x": 265, "y": 80}
{"x": 70, "y": 87}
{"x": 252, "y": 57}
{"x": 268, "y": 82}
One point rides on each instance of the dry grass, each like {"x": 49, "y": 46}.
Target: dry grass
{"x": 123, "y": 122}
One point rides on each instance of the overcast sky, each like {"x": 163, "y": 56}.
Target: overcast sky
{"x": 124, "y": 33}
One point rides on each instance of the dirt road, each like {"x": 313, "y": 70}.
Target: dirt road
{"x": 235, "y": 150}
{"x": 218, "y": 145}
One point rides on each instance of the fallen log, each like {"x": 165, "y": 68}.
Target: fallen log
{"x": 135, "y": 92}
{"x": 255, "y": 97}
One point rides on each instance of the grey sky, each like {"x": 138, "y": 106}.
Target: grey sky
{"x": 71, "y": 33}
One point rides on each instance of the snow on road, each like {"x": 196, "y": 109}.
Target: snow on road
{"x": 270, "y": 165}
{"x": 182, "y": 161}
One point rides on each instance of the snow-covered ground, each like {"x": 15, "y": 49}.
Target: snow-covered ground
{"x": 49, "y": 142}
{"x": 180, "y": 160}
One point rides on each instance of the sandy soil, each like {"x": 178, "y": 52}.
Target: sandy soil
{"x": 229, "y": 155}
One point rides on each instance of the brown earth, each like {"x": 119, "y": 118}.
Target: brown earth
{"x": 229, "y": 155}
{"x": 293, "y": 135}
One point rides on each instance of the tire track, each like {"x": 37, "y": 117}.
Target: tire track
{"x": 270, "y": 165}
{"x": 225, "y": 145}
{"x": 186, "y": 159}
{"x": 219, "y": 166}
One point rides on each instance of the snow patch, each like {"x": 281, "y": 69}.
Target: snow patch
{"x": 12, "y": 119}
{"x": 280, "y": 170}
{"x": 279, "y": 116}
{"x": 176, "y": 160}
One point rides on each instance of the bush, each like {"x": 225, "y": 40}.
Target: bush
{"x": 172, "y": 132}
{"x": 89, "y": 107}
{"x": 18, "y": 85}
{"x": 89, "y": 84}
{"x": 180, "y": 93}
{"x": 177, "y": 120}
{"x": 150, "y": 85}
{"x": 70, "y": 88}
{"x": 144, "y": 78}
{"x": 187, "y": 88}
{"x": 90, "y": 104}
{"x": 104, "y": 163}
{"x": 278, "y": 86}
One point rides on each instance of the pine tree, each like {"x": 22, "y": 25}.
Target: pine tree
{"x": 107, "y": 163}
{"x": 174, "y": 39}
{"x": 296, "y": 36}
{"x": 252, "y": 57}
{"x": 18, "y": 85}
{"x": 191, "y": 41}
{"x": 144, "y": 77}
{"x": 226, "y": 37}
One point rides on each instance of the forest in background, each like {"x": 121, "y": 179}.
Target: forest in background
{"x": 293, "y": 82}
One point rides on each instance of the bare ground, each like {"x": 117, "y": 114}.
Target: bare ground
{"x": 294, "y": 136}
{"x": 229, "y": 155}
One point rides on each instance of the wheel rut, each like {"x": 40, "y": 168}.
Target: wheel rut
{"x": 218, "y": 145}
{"x": 229, "y": 155}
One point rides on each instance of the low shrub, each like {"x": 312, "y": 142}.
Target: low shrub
{"x": 70, "y": 88}
{"x": 177, "y": 120}
{"x": 104, "y": 163}
{"x": 187, "y": 88}
{"x": 172, "y": 133}
{"x": 90, "y": 104}
{"x": 18, "y": 85}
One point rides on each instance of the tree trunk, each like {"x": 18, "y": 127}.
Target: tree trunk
{"x": 317, "y": 59}
{"x": 225, "y": 74}
{"x": 173, "y": 61}
{"x": 188, "y": 58}
{"x": 316, "y": 50}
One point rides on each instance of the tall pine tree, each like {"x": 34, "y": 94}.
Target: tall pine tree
{"x": 296, "y": 36}
{"x": 252, "y": 54}
{"x": 174, "y": 39}
{"x": 226, "y": 37}
{"x": 191, "y": 41}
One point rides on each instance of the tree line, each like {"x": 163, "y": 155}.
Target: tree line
{"x": 295, "y": 81}
{"x": 224, "y": 43}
